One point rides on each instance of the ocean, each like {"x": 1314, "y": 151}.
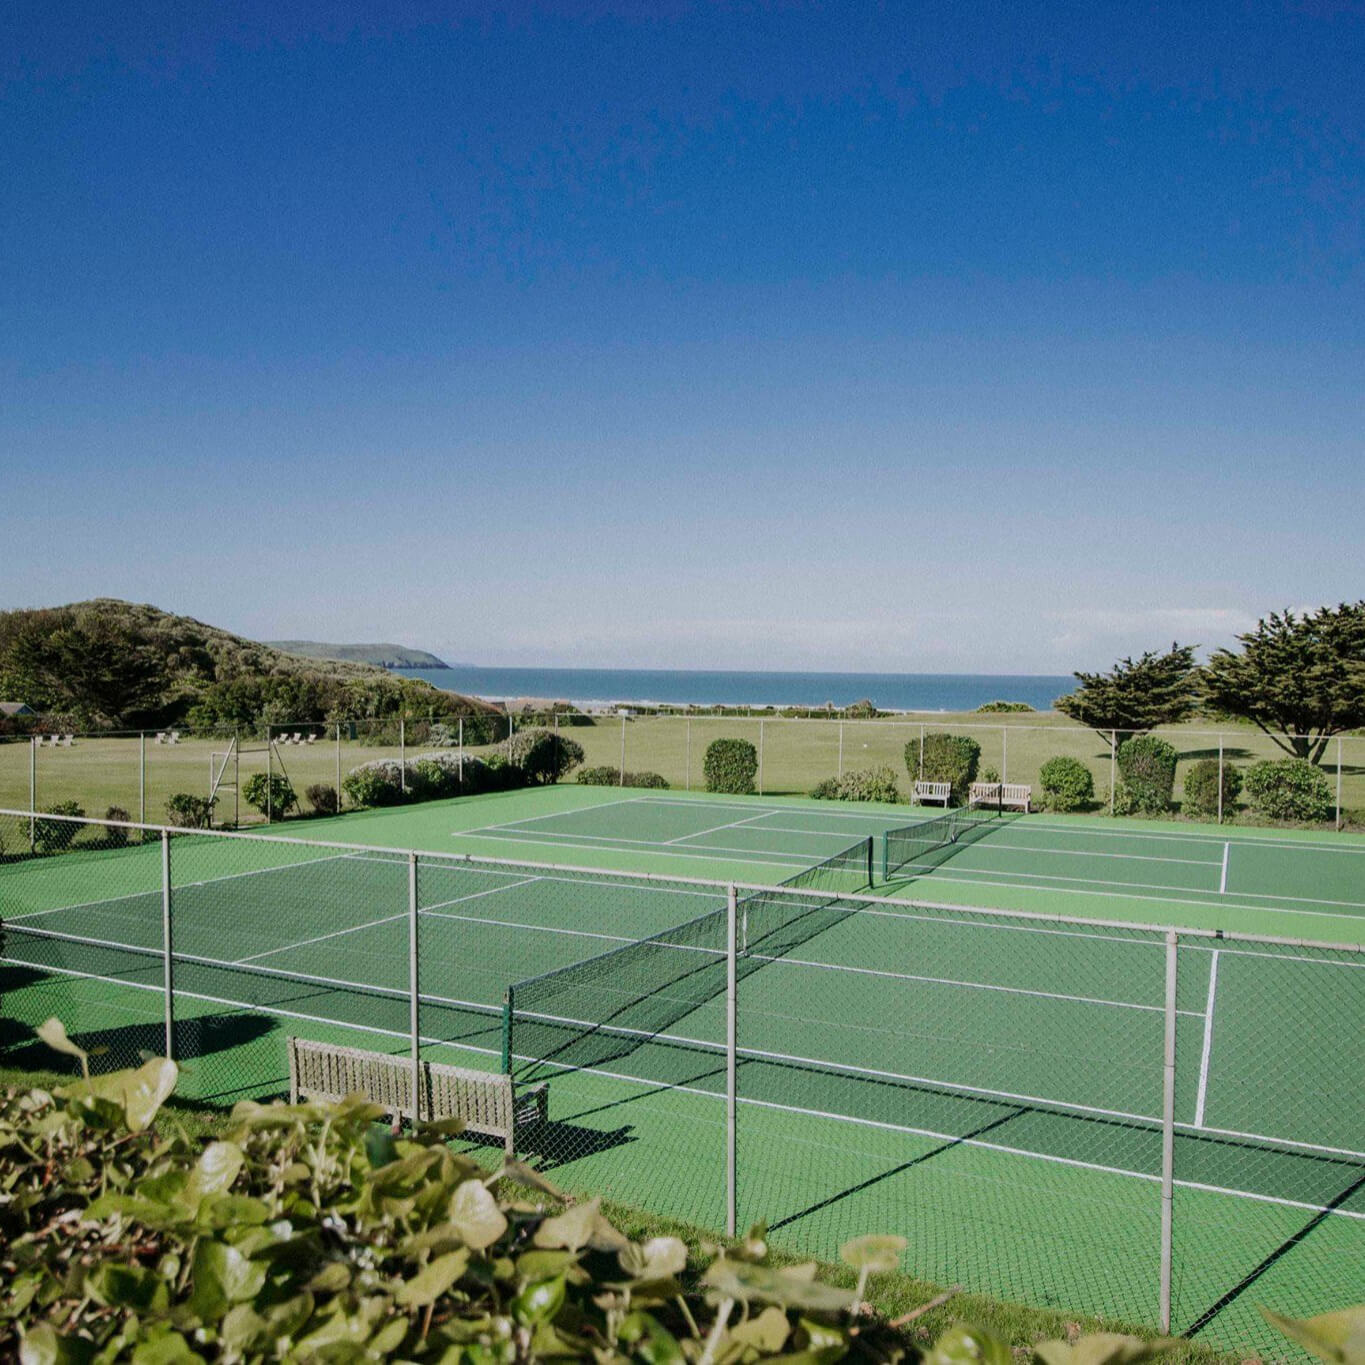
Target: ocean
{"x": 888, "y": 691}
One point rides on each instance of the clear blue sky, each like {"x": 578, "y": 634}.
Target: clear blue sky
{"x": 926, "y": 337}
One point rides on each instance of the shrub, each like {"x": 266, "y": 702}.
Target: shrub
{"x": 543, "y": 755}
{"x": 865, "y": 784}
{"x": 862, "y": 710}
{"x": 1146, "y": 776}
{"x": 379, "y": 783}
{"x": 607, "y": 776}
{"x": 730, "y": 766}
{"x": 995, "y": 706}
{"x": 1289, "y": 789}
{"x": 322, "y": 796}
{"x": 1201, "y": 788}
{"x": 114, "y": 835}
{"x": 1067, "y": 783}
{"x": 52, "y": 836}
{"x": 946, "y": 758}
{"x": 269, "y": 792}
{"x": 989, "y": 775}
{"x": 432, "y": 778}
{"x": 187, "y": 811}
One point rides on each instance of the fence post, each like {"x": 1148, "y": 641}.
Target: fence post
{"x": 412, "y": 991}
{"x": 461, "y": 742}
{"x": 731, "y": 1020}
{"x": 1220, "y": 777}
{"x": 338, "y": 765}
{"x": 1113, "y": 767}
{"x": 32, "y": 792}
{"x": 760, "y": 756}
{"x": 1004, "y": 756}
{"x": 623, "y": 749}
{"x": 142, "y": 777}
{"x": 687, "y": 772}
{"x": 167, "y": 952}
{"x": 1168, "y": 1132}
{"x": 269, "y": 771}
{"x": 921, "y": 751}
{"x": 841, "y": 748}
{"x": 1338, "y": 782}
{"x": 402, "y": 755}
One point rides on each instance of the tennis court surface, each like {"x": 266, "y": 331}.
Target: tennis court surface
{"x": 971, "y": 1051}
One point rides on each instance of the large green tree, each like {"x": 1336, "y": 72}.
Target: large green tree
{"x": 1300, "y": 678}
{"x": 1136, "y": 695}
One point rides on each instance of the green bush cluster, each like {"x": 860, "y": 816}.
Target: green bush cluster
{"x": 543, "y": 755}
{"x": 865, "y": 784}
{"x": 271, "y": 792}
{"x": 1289, "y": 789}
{"x": 187, "y": 811}
{"x": 54, "y": 836}
{"x": 607, "y": 776}
{"x": 992, "y": 707}
{"x": 1146, "y": 776}
{"x": 944, "y": 758}
{"x": 1201, "y": 788}
{"x": 114, "y": 836}
{"x": 730, "y": 766}
{"x": 1067, "y": 784}
{"x": 322, "y": 796}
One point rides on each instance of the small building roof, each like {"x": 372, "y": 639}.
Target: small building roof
{"x": 16, "y": 708}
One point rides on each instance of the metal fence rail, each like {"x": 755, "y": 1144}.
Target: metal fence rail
{"x": 1147, "y": 1124}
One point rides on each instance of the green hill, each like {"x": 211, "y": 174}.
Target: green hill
{"x": 109, "y": 663}
{"x": 383, "y": 656}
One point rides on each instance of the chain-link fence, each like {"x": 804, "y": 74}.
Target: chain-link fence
{"x": 1149, "y": 1125}
{"x": 134, "y": 775}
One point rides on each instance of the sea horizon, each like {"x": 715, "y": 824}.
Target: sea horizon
{"x": 929, "y": 692}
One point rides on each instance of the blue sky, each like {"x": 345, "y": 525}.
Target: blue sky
{"x": 849, "y": 336}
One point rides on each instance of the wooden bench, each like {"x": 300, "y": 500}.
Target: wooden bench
{"x": 1015, "y": 794}
{"x": 933, "y": 791}
{"x": 485, "y": 1100}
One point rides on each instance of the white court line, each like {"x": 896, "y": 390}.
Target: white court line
{"x": 475, "y": 895}
{"x": 715, "y": 829}
{"x": 321, "y": 938}
{"x": 657, "y": 850}
{"x": 995, "y": 846}
{"x": 1223, "y": 879}
{"x": 1244, "y": 840}
{"x": 1208, "y": 1042}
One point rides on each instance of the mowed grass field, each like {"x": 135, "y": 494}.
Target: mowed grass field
{"x": 101, "y": 772}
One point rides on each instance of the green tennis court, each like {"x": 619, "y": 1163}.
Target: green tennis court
{"x": 987, "y": 1083}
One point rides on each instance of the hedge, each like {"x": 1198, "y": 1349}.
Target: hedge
{"x": 1067, "y": 783}
{"x": 1146, "y": 776}
{"x": 944, "y": 758}
{"x": 607, "y": 776}
{"x": 1201, "y": 788}
{"x": 730, "y": 766}
{"x": 860, "y": 784}
{"x": 1289, "y": 789}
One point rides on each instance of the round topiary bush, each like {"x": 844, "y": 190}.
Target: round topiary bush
{"x": 730, "y": 766}
{"x": 1067, "y": 784}
{"x": 543, "y": 755}
{"x": 1201, "y": 789}
{"x": 944, "y": 758}
{"x": 1289, "y": 789}
{"x": 1146, "y": 776}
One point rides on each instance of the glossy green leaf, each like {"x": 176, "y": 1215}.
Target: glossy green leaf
{"x": 750, "y": 1282}
{"x": 1338, "y": 1337}
{"x": 876, "y": 1253}
{"x": 433, "y": 1279}
{"x": 476, "y": 1214}
{"x": 1101, "y": 1348}
{"x": 966, "y": 1345}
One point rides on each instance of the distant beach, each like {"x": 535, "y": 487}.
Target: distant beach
{"x": 888, "y": 691}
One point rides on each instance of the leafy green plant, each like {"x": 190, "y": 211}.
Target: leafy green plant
{"x": 1003, "y": 706}
{"x": 54, "y": 836}
{"x": 989, "y": 775}
{"x": 1067, "y": 783}
{"x": 271, "y": 792}
{"x": 730, "y": 765}
{"x": 1338, "y": 1337}
{"x": 374, "y": 784}
{"x": 1289, "y": 789}
{"x": 322, "y": 796}
{"x": 607, "y": 776}
{"x": 1201, "y": 788}
{"x": 944, "y": 758}
{"x": 866, "y": 784}
{"x": 115, "y": 836}
{"x": 543, "y": 755}
{"x": 1146, "y": 776}
{"x": 433, "y": 778}
{"x": 188, "y": 811}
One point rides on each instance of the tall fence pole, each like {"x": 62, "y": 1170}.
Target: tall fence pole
{"x": 921, "y": 751}
{"x": 413, "y": 1011}
{"x": 841, "y": 748}
{"x": 1338, "y": 781}
{"x": 167, "y": 951}
{"x": 1004, "y": 753}
{"x": 32, "y": 792}
{"x": 269, "y": 772}
{"x": 403, "y": 754}
{"x": 760, "y": 757}
{"x": 461, "y": 744}
{"x": 142, "y": 777}
{"x": 623, "y": 749}
{"x": 687, "y": 771}
{"x": 731, "y": 1030}
{"x": 338, "y": 765}
{"x": 1113, "y": 767}
{"x": 1220, "y": 778}
{"x": 1168, "y": 1132}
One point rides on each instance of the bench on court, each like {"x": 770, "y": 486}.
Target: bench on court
{"x": 933, "y": 791}
{"x": 1017, "y": 794}
{"x": 485, "y": 1100}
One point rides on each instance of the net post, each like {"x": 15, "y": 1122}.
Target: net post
{"x": 412, "y": 991}
{"x": 508, "y": 998}
{"x": 1168, "y": 1131}
{"x": 886, "y": 856}
{"x": 167, "y": 952}
{"x": 731, "y": 1018}
{"x": 869, "y": 862}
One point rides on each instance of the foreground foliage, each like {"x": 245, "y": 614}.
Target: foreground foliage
{"x": 309, "y": 1232}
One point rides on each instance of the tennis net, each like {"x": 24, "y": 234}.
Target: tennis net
{"x": 605, "y": 1007}
{"x": 931, "y": 842}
